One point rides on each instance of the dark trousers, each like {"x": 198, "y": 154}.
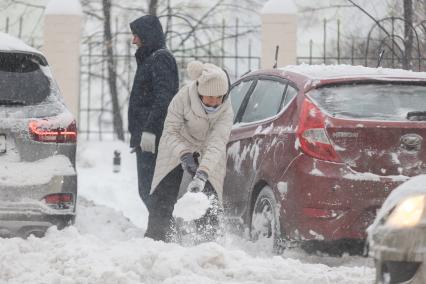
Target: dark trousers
{"x": 163, "y": 200}
{"x": 145, "y": 167}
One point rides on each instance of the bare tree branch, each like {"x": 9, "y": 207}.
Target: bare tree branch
{"x": 200, "y": 21}
{"x": 374, "y": 20}
{"x": 91, "y": 14}
{"x": 27, "y": 4}
{"x": 370, "y": 16}
{"x": 129, "y": 8}
{"x": 331, "y": 7}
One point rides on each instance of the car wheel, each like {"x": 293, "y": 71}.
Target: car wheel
{"x": 265, "y": 220}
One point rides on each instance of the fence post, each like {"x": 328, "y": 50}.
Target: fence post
{"x": 115, "y": 38}
{"x": 236, "y": 47}
{"x": 183, "y": 69}
{"x": 311, "y": 43}
{"x": 7, "y": 24}
{"x": 279, "y": 28}
{"x": 62, "y": 34}
{"x": 249, "y": 55}
{"x": 393, "y": 43}
{"x": 210, "y": 52}
{"x": 20, "y": 27}
{"x": 80, "y": 63}
{"x": 89, "y": 90}
{"x": 223, "y": 42}
{"x": 103, "y": 77}
{"x": 338, "y": 41}
{"x": 170, "y": 24}
{"x": 128, "y": 65}
{"x": 325, "y": 42}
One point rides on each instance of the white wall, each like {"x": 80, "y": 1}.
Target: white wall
{"x": 62, "y": 36}
{"x": 279, "y": 28}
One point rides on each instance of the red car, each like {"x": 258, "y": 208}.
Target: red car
{"x": 315, "y": 150}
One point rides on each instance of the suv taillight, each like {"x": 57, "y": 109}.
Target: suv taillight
{"x": 44, "y": 131}
{"x": 312, "y": 135}
{"x": 59, "y": 200}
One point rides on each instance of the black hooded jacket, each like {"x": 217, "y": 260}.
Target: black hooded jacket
{"x": 156, "y": 80}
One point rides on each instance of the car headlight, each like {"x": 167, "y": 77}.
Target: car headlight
{"x": 407, "y": 213}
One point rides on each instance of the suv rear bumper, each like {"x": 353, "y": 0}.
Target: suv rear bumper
{"x": 329, "y": 201}
{"x": 23, "y": 219}
{"x": 34, "y": 225}
{"x": 23, "y": 211}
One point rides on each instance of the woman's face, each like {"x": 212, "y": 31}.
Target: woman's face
{"x": 212, "y": 101}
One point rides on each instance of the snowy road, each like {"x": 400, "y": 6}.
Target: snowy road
{"x": 106, "y": 247}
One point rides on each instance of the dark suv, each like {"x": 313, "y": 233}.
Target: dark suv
{"x": 38, "y": 180}
{"x": 315, "y": 150}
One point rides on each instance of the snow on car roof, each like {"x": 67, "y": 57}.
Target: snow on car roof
{"x": 10, "y": 43}
{"x": 349, "y": 71}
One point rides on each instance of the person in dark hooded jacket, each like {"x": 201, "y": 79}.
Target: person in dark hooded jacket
{"x": 156, "y": 82}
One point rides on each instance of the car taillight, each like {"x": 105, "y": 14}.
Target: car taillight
{"x": 312, "y": 135}
{"x": 42, "y": 131}
{"x": 59, "y": 200}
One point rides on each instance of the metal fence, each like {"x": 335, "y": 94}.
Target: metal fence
{"x": 384, "y": 45}
{"x": 95, "y": 115}
{"x": 15, "y": 26}
{"x": 232, "y": 50}
{"x": 233, "y": 53}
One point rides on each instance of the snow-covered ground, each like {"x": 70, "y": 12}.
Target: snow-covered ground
{"x": 107, "y": 246}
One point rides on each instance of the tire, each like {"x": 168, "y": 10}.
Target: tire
{"x": 265, "y": 221}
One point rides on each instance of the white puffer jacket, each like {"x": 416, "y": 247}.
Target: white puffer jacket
{"x": 188, "y": 129}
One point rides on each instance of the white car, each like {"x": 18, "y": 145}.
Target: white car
{"x": 397, "y": 238}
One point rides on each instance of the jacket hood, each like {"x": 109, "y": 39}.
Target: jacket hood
{"x": 148, "y": 28}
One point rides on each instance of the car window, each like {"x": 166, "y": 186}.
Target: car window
{"x": 265, "y": 100}
{"x": 290, "y": 93}
{"x": 22, "y": 80}
{"x": 237, "y": 94}
{"x": 390, "y": 102}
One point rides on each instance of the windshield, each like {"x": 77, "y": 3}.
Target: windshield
{"x": 390, "y": 102}
{"x": 22, "y": 81}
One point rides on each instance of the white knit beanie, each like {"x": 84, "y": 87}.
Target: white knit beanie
{"x": 212, "y": 80}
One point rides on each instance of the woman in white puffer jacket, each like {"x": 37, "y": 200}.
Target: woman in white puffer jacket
{"x": 196, "y": 131}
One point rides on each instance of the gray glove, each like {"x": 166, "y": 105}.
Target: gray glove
{"x": 188, "y": 163}
{"x": 198, "y": 182}
{"x": 148, "y": 142}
